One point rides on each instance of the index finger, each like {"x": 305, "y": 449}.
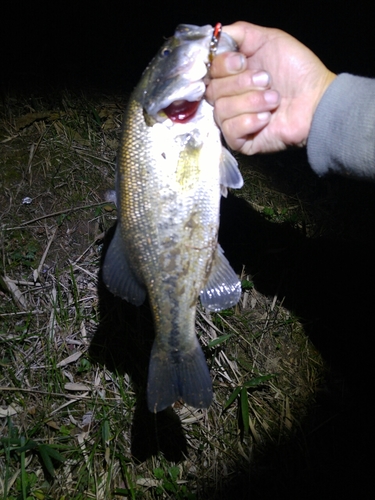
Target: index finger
{"x": 249, "y": 37}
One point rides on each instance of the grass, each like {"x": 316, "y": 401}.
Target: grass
{"x": 73, "y": 422}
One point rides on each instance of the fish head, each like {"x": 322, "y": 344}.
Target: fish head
{"x": 174, "y": 82}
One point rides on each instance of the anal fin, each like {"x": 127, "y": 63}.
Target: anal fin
{"x": 223, "y": 288}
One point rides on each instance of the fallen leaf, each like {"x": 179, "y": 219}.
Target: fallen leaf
{"x": 70, "y": 359}
{"x": 71, "y": 386}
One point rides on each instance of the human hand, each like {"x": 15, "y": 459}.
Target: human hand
{"x": 265, "y": 96}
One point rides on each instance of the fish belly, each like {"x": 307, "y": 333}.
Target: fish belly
{"x": 169, "y": 197}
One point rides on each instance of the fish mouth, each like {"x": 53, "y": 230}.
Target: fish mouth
{"x": 181, "y": 111}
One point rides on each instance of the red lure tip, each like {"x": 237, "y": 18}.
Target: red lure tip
{"x": 214, "y": 41}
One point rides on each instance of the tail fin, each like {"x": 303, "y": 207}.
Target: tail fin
{"x": 174, "y": 375}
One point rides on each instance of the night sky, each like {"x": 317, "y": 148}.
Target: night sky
{"x": 107, "y": 44}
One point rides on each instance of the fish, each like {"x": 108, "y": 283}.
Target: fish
{"x": 172, "y": 170}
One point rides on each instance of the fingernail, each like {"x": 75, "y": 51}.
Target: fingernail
{"x": 264, "y": 116}
{"x": 235, "y": 62}
{"x": 271, "y": 96}
{"x": 261, "y": 79}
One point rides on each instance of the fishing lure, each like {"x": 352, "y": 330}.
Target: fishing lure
{"x": 214, "y": 42}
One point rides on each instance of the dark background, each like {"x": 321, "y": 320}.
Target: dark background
{"x": 107, "y": 44}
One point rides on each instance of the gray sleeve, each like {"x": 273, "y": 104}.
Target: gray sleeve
{"x": 342, "y": 135}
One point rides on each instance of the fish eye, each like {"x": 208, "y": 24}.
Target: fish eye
{"x": 165, "y": 52}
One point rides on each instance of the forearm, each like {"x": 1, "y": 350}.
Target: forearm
{"x": 342, "y": 135}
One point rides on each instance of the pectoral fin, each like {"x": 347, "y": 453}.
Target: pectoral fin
{"x": 110, "y": 196}
{"x": 230, "y": 176}
{"x": 117, "y": 274}
{"x": 223, "y": 288}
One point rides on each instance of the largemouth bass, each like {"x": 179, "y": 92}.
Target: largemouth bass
{"x": 171, "y": 172}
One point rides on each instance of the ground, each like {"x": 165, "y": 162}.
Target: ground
{"x": 290, "y": 364}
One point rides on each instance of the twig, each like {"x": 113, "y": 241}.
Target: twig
{"x": 25, "y": 283}
{"x": 15, "y": 292}
{"x": 36, "y": 272}
{"x": 60, "y": 212}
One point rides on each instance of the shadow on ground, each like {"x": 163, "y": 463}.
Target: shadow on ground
{"x": 327, "y": 283}
{"x": 123, "y": 343}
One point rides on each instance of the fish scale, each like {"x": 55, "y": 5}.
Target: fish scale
{"x": 169, "y": 180}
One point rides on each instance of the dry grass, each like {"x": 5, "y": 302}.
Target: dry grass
{"x": 71, "y": 427}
